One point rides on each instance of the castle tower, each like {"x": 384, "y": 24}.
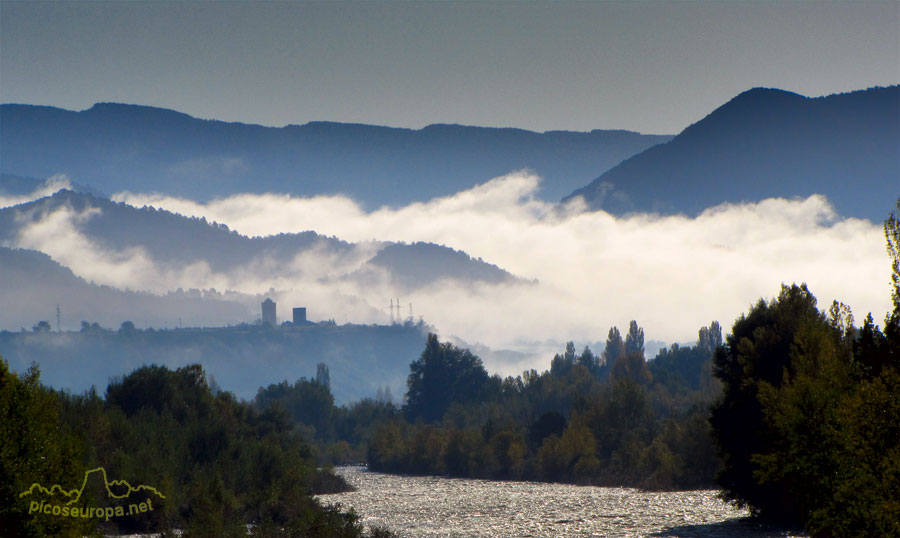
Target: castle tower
{"x": 268, "y": 312}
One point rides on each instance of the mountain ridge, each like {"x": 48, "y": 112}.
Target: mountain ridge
{"x": 767, "y": 143}
{"x": 174, "y": 238}
{"x": 113, "y": 147}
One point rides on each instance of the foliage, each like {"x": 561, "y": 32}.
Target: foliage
{"x": 574, "y": 423}
{"x": 34, "y": 450}
{"x": 757, "y": 352}
{"x": 309, "y": 403}
{"x": 338, "y": 435}
{"x": 808, "y": 425}
{"x": 441, "y": 376}
{"x": 221, "y": 463}
{"x": 892, "y": 237}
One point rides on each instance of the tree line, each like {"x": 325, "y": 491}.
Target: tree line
{"x": 608, "y": 419}
{"x": 613, "y": 419}
{"x": 225, "y": 467}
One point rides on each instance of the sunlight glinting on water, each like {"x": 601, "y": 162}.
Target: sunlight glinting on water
{"x": 452, "y": 507}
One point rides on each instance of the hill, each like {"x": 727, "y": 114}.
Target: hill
{"x": 115, "y": 147}
{"x": 180, "y": 242}
{"x": 33, "y": 285}
{"x": 768, "y": 143}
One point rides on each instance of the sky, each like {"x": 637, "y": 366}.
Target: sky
{"x": 653, "y": 67}
{"x": 646, "y": 66}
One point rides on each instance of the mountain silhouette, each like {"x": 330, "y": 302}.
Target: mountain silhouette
{"x": 36, "y": 283}
{"x": 419, "y": 264}
{"x": 768, "y": 143}
{"x": 114, "y": 147}
{"x": 179, "y": 241}
{"x": 166, "y": 236}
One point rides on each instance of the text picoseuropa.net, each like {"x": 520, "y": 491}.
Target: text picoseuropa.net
{"x": 89, "y": 511}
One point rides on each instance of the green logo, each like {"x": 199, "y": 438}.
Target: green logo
{"x": 57, "y": 501}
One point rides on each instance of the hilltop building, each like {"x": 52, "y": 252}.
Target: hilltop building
{"x": 268, "y": 312}
{"x": 299, "y": 315}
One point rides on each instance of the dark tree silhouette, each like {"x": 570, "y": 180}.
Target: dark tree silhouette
{"x": 614, "y": 347}
{"x": 442, "y": 375}
{"x": 634, "y": 340}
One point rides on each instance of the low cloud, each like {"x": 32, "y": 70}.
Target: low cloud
{"x": 673, "y": 274}
{"x": 58, "y": 234}
{"x": 46, "y": 188}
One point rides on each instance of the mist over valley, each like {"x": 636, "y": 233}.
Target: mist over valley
{"x": 495, "y": 264}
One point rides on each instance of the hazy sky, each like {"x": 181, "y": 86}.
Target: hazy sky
{"x": 647, "y": 66}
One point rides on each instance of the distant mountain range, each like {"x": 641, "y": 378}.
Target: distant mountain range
{"x": 763, "y": 143}
{"x": 177, "y": 243}
{"x": 115, "y": 147}
{"x": 768, "y": 143}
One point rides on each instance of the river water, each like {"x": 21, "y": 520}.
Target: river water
{"x": 453, "y": 507}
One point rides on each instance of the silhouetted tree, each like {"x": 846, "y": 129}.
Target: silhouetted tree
{"x": 442, "y": 375}
{"x": 561, "y": 365}
{"x": 709, "y": 338}
{"x": 634, "y": 340}
{"x": 759, "y": 352}
{"x": 322, "y": 376}
{"x": 589, "y": 361}
{"x": 614, "y": 347}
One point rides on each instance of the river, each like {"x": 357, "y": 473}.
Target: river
{"x": 453, "y": 507}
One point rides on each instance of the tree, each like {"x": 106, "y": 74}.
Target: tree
{"x": 633, "y": 366}
{"x": 758, "y": 354}
{"x": 614, "y": 347}
{"x": 561, "y": 365}
{"x": 892, "y": 236}
{"x": 443, "y": 375}
{"x": 34, "y": 450}
{"x": 309, "y": 403}
{"x": 709, "y": 338}
{"x": 383, "y": 396}
{"x": 550, "y": 423}
{"x": 41, "y": 327}
{"x": 588, "y": 360}
{"x": 322, "y": 376}
{"x": 634, "y": 341}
